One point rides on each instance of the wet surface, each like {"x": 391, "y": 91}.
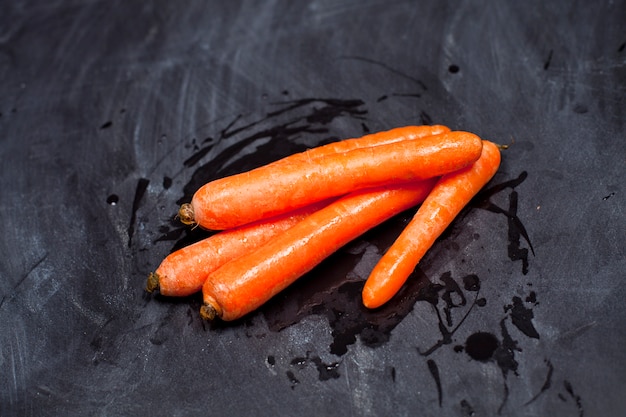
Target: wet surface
{"x": 108, "y": 123}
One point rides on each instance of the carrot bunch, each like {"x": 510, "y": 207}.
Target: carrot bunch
{"x": 279, "y": 221}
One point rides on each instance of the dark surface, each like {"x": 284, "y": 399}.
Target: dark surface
{"x": 112, "y": 113}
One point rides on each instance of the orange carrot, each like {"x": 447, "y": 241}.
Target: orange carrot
{"x": 183, "y": 272}
{"x": 374, "y": 139}
{"x": 451, "y": 193}
{"x": 277, "y": 188}
{"x": 244, "y": 284}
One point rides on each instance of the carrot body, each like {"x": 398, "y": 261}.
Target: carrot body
{"x": 183, "y": 272}
{"x": 374, "y": 139}
{"x": 451, "y": 193}
{"x": 277, "y": 188}
{"x": 244, "y": 284}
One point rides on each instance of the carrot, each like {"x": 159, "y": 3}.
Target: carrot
{"x": 277, "y": 188}
{"x": 186, "y": 213}
{"x": 244, "y": 284}
{"x": 451, "y": 193}
{"x": 183, "y": 272}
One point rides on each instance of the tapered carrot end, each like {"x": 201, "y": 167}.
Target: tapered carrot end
{"x": 186, "y": 215}
{"x": 370, "y": 300}
{"x": 208, "y": 312}
{"x": 152, "y": 284}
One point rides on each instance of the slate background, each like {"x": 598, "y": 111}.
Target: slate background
{"x": 113, "y": 112}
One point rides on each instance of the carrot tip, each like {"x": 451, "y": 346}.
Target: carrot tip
{"x": 186, "y": 215}
{"x": 369, "y": 300}
{"x": 152, "y": 283}
{"x": 208, "y": 312}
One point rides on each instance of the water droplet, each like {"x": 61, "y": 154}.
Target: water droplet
{"x": 471, "y": 282}
{"x": 299, "y": 362}
{"x": 467, "y": 408}
{"x": 481, "y": 346}
{"x": 292, "y": 378}
{"x": 113, "y": 199}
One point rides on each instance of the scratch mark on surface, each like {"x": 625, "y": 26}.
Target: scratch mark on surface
{"x": 23, "y": 278}
{"x": 570, "y": 335}
{"x": 546, "y": 384}
{"x": 17, "y": 355}
{"x": 387, "y": 67}
{"x": 349, "y": 388}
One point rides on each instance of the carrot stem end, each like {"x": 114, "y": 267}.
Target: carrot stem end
{"x": 208, "y": 312}
{"x": 186, "y": 215}
{"x": 152, "y": 284}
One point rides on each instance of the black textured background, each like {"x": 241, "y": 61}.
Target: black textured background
{"x": 113, "y": 112}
